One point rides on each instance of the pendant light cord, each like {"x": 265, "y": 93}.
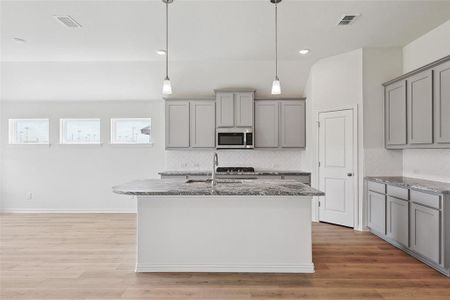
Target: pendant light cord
{"x": 167, "y": 39}
{"x": 276, "y": 41}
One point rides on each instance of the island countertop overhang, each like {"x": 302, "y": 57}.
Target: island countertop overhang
{"x": 252, "y": 187}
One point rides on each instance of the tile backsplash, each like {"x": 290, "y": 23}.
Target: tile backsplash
{"x": 259, "y": 159}
{"x": 431, "y": 164}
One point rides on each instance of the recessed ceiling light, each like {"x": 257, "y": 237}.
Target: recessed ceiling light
{"x": 19, "y": 40}
{"x": 161, "y": 52}
{"x": 304, "y": 51}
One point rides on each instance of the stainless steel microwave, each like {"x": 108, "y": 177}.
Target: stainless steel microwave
{"x": 234, "y": 138}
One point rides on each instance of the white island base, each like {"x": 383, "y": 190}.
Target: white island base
{"x": 270, "y": 234}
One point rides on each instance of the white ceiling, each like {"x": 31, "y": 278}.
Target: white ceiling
{"x": 210, "y": 33}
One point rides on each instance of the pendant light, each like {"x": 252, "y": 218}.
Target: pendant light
{"x": 167, "y": 86}
{"x": 276, "y": 87}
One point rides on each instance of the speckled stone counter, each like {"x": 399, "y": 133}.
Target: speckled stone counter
{"x": 257, "y": 187}
{"x": 256, "y": 173}
{"x": 414, "y": 184}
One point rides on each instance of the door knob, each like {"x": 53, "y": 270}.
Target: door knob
{"x": 349, "y": 174}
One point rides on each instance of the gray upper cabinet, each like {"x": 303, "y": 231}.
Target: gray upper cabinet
{"x": 293, "y": 124}
{"x": 398, "y": 220}
{"x": 266, "y": 124}
{"x": 177, "y": 124}
{"x": 376, "y": 204}
{"x": 244, "y": 109}
{"x": 190, "y": 124}
{"x": 280, "y": 123}
{"x": 442, "y": 103}
{"x": 395, "y": 114}
{"x": 224, "y": 109}
{"x": 424, "y": 94}
{"x": 202, "y": 124}
{"x": 420, "y": 108}
{"x": 234, "y": 109}
{"x": 425, "y": 232}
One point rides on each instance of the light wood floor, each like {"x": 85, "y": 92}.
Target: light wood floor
{"x": 91, "y": 256}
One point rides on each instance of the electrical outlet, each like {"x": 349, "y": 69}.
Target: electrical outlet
{"x": 29, "y": 196}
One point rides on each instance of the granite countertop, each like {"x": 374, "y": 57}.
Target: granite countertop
{"x": 256, "y": 173}
{"x": 414, "y": 183}
{"x": 224, "y": 187}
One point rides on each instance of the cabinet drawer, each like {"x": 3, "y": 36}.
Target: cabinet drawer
{"x": 426, "y": 199}
{"x": 303, "y": 179}
{"x": 377, "y": 187}
{"x": 397, "y": 192}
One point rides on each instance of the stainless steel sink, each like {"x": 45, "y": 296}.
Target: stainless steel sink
{"x": 198, "y": 181}
{"x": 219, "y": 181}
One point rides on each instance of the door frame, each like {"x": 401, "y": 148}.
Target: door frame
{"x": 357, "y": 198}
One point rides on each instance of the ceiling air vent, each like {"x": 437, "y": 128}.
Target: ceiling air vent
{"x": 68, "y": 21}
{"x": 347, "y": 20}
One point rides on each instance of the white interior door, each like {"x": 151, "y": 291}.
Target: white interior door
{"x": 336, "y": 176}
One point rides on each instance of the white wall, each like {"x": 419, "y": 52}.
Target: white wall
{"x": 334, "y": 83}
{"x": 427, "y": 48}
{"x": 142, "y": 80}
{"x": 77, "y": 177}
{"x": 433, "y": 164}
{"x": 379, "y": 65}
{"x": 80, "y": 177}
{"x": 349, "y": 80}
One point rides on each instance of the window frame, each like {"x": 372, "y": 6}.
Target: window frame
{"x": 12, "y": 131}
{"x": 113, "y": 139}
{"x": 62, "y": 122}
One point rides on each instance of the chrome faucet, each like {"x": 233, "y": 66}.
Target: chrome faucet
{"x": 215, "y": 164}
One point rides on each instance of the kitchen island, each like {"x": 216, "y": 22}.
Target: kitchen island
{"x": 234, "y": 226}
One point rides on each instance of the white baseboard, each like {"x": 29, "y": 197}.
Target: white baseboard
{"x": 156, "y": 268}
{"x": 60, "y": 211}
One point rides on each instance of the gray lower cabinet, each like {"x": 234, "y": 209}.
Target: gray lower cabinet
{"x": 442, "y": 103}
{"x": 397, "y": 220}
{"x": 425, "y": 232}
{"x": 420, "y": 108}
{"x": 395, "y": 114}
{"x": 376, "y": 204}
{"x": 202, "y": 124}
{"x": 416, "y": 221}
{"x": 177, "y": 124}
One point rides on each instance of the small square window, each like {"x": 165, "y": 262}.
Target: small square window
{"x": 29, "y": 131}
{"x": 80, "y": 131}
{"x": 131, "y": 131}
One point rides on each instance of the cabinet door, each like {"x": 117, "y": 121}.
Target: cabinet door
{"x": 244, "y": 109}
{"x": 442, "y": 103}
{"x": 397, "y": 220}
{"x": 293, "y": 124}
{"x": 225, "y": 109}
{"x": 376, "y": 204}
{"x": 203, "y": 124}
{"x": 177, "y": 124}
{"x": 266, "y": 124}
{"x": 420, "y": 108}
{"x": 425, "y": 232}
{"x": 395, "y": 114}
